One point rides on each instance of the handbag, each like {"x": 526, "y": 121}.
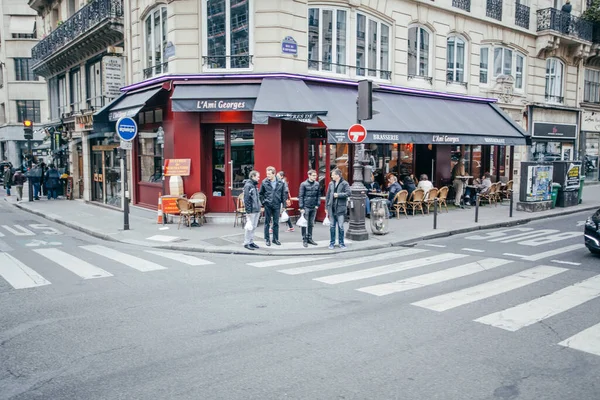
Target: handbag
{"x": 302, "y": 222}
{"x": 284, "y": 216}
{"x": 248, "y": 225}
{"x": 326, "y": 221}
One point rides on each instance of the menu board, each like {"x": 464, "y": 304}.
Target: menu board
{"x": 177, "y": 167}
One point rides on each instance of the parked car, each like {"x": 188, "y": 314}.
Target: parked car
{"x": 592, "y": 233}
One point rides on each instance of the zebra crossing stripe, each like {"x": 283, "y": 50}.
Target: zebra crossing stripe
{"x": 472, "y": 294}
{"x": 587, "y": 340}
{"x": 555, "y": 252}
{"x": 20, "y": 231}
{"x": 123, "y": 258}
{"x": 544, "y": 307}
{"x": 285, "y": 261}
{"x": 352, "y": 261}
{"x": 76, "y": 265}
{"x": 388, "y": 269}
{"x": 19, "y": 275}
{"x": 182, "y": 258}
{"x": 435, "y": 277}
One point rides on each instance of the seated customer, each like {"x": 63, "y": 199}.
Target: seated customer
{"x": 425, "y": 184}
{"x": 409, "y": 184}
{"x": 393, "y": 188}
{"x": 481, "y": 187}
{"x": 372, "y": 187}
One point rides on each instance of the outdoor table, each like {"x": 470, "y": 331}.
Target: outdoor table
{"x": 194, "y": 203}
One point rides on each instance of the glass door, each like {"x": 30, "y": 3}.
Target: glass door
{"x": 98, "y": 176}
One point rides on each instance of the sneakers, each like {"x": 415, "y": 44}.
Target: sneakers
{"x": 304, "y": 244}
{"x": 290, "y": 229}
{"x": 310, "y": 241}
{"x": 254, "y": 245}
{"x": 248, "y": 247}
{"x": 331, "y": 247}
{"x": 343, "y": 246}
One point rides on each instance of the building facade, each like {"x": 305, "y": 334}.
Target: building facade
{"x": 22, "y": 92}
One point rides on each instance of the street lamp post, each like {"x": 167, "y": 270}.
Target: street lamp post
{"x": 28, "y": 134}
{"x": 160, "y": 139}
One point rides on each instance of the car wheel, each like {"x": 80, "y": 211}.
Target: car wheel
{"x": 594, "y": 251}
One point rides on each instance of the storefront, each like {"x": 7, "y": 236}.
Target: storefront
{"x": 590, "y": 130}
{"x": 554, "y": 133}
{"x": 106, "y": 171}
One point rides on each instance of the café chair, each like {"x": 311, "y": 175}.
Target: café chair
{"x": 186, "y": 212}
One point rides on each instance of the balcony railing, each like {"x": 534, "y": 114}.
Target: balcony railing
{"x": 550, "y": 98}
{"x": 462, "y": 4}
{"x": 493, "y": 9}
{"x": 79, "y": 24}
{"x": 522, "y": 15}
{"x": 220, "y": 62}
{"x": 156, "y": 70}
{"x": 565, "y": 23}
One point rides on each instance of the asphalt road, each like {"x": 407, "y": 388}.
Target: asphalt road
{"x": 467, "y": 317}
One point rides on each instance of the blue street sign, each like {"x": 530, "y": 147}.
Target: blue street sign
{"x": 126, "y": 129}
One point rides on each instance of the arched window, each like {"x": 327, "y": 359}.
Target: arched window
{"x": 554, "y": 80}
{"x": 504, "y": 61}
{"x": 155, "y": 37}
{"x": 455, "y": 59}
{"x": 418, "y": 52}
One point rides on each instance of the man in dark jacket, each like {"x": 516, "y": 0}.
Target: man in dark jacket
{"x": 252, "y": 205}
{"x": 51, "y": 182}
{"x": 35, "y": 174}
{"x": 336, "y": 204}
{"x": 308, "y": 201}
{"x": 19, "y": 179}
{"x": 272, "y": 194}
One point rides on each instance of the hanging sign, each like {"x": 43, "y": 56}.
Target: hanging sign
{"x": 112, "y": 76}
{"x": 289, "y": 46}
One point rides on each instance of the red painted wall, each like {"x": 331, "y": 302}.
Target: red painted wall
{"x": 267, "y": 147}
{"x": 294, "y": 156}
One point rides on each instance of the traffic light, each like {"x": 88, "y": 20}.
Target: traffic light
{"x": 365, "y": 100}
{"x": 28, "y": 129}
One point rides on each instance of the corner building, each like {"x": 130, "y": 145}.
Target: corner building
{"x": 237, "y": 85}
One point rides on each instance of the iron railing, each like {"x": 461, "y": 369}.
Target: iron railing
{"x": 156, "y": 70}
{"x": 565, "y": 23}
{"x": 79, "y": 24}
{"x": 462, "y": 4}
{"x": 344, "y": 69}
{"x": 493, "y": 9}
{"x": 522, "y": 15}
{"x": 220, "y": 62}
{"x": 554, "y": 99}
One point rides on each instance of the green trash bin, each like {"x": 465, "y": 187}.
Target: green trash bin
{"x": 555, "y": 187}
{"x": 580, "y": 194}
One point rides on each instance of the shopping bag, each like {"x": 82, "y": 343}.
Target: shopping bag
{"x": 326, "y": 221}
{"x": 284, "y": 217}
{"x": 302, "y": 222}
{"x": 248, "y": 225}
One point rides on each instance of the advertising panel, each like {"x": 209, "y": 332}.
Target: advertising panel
{"x": 539, "y": 183}
{"x": 572, "y": 178}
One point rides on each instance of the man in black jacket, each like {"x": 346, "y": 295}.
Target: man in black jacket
{"x": 308, "y": 201}
{"x": 252, "y": 205}
{"x": 336, "y": 204}
{"x": 272, "y": 194}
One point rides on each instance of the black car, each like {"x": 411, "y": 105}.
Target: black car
{"x": 592, "y": 233}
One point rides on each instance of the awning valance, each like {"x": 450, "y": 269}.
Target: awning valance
{"x": 129, "y": 105}
{"x": 22, "y": 24}
{"x": 206, "y": 98}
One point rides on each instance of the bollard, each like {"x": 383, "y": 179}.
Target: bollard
{"x": 435, "y": 209}
{"x": 476, "y": 207}
{"x": 511, "y": 204}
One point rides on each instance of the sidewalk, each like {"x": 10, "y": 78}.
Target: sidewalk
{"x": 106, "y": 223}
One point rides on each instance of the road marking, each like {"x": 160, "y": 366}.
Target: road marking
{"x": 434, "y": 245}
{"x": 36, "y": 243}
{"x": 565, "y": 262}
{"x": 125, "y": 259}
{"x": 435, "y": 277}
{"x": 285, "y": 261}
{"x": 19, "y": 275}
{"x": 2, "y": 234}
{"x": 479, "y": 292}
{"x": 352, "y": 261}
{"x": 533, "y": 311}
{"x": 580, "y": 223}
{"x": 183, "y": 258}
{"x": 587, "y": 340}
{"x": 76, "y": 265}
{"x": 22, "y": 231}
{"x": 163, "y": 238}
{"x": 473, "y": 250}
{"x": 514, "y": 255}
{"x": 555, "y": 252}
{"x": 389, "y": 269}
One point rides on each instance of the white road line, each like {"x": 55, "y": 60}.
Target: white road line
{"x": 565, "y": 262}
{"x": 2, "y": 234}
{"x": 182, "y": 258}
{"x": 587, "y": 340}
{"x": 473, "y": 250}
{"x": 352, "y": 261}
{"x": 435, "y": 277}
{"x": 389, "y": 269}
{"x": 285, "y": 261}
{"x": 76, "y": 265}
{"x": 514, "y": 255}
{"x": 434, "y": 245}
{"x": 22, "y": 231}
{"x": 134, "y": 262}
{"x": 533, "y": 311}
{"x": 555, "y": 252}
{"x": 19, "y": 275}
{"x": 479, "y": 292}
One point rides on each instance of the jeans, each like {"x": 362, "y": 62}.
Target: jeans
{"x": 339, "y": 221}
{"x": 309, "y": 214}
{"x": 52, "y": 193}
{"x": 272, "y": 214}
{"x": 249, "y": 235}
{"x": 36, "y": 191}
{"x": 367, "y": 205}
{"x": 19, "y": 192}
{"x": 8, "y": 190}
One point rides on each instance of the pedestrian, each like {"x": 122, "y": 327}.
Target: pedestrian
{"x": 35, "y": 175}
{"x": 272, "y": 194}
{"x": 566, "y": 20}
{"x": 19, "y": 179}
{"x": 252, "y": 206}
{"x": 51, "y": 182}
{"x": 43, "y": 188}
{"x": 458, "y": 171}
{"x": 7, "y": 179}
{"x": 336, "y": 205}
{"x": 288, "y": 201}
{"x": 308, "y": 201}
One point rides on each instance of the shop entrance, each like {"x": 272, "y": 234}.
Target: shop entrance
{"x": 106, "y": 175}
{"x": 231, "y": 162}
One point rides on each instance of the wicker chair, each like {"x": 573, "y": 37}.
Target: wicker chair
{"x": 399, "y": 203}
{"x": 490, "y": 195}
{"x": 200, "y": 209}
{"x": 430, "y": 198}
{"x": 416, "y": 200}
{"x": 240, "y": 211}
{"x": 186, "y": 212}
{"x": 442, "y": 197}
{"x": 506, "y": 193}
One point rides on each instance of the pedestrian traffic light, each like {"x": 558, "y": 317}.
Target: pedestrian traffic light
{"x": 28, "y": 129}
{"x": 365, "y": 100}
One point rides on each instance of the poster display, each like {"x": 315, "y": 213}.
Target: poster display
{"x": 539, "y": 183}
{"x": 572, "y": 178}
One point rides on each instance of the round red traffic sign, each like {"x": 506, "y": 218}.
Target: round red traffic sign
{"x": 357, "y": 133}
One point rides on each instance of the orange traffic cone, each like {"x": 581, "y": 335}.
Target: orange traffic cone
{"x": 159, "y": 211}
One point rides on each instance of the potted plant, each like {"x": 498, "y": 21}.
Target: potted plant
{"x": 592, "y": 14}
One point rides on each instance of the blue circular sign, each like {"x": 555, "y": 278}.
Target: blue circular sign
{"x": 127, "y": 129}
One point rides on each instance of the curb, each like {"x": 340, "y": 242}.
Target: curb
{"x": 292, "y": 253}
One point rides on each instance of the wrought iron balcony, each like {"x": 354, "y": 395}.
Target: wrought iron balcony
{"x": 522, "y": 13}
{"x": 564, "y": 23}
{"x": 97, "y": 25}
{"x": 462, "y": 4}
{"x": 156, "y": 70}
{"x": 493, "y": 9}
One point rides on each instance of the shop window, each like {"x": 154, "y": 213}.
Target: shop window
{"x": 372, "y": 48}
{"x": 317, "y": 156}
{"x": 23, "y": 71}
{"x": 75, "y": 90}
{"x": 455, "y": 59}
{"x": 591, "y": 87}
{"x": 418, "y": 52}
{"x": 591, "y": 159}
{"x": 150, "y": 158}
{"x": 483, "y": 64}
{"x": 28, "y": 109}
{"x": 338, "y": 158}
{"x": 327, "y": 39}
{"x": 554, "y": 80}
{"x": 547, "y": 151}
{"x": 227, "y": 34}
{"x": 155, "y": 39}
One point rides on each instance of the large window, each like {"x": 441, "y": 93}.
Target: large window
{"x": 227, "y": 34}
{"x": 62, "y": 96}
{"x": 504, "y": 61}
{"x": 155, "y": 38}
{"x": 483, "y": 64}
{"x": 591, "y": 87}
{"x": 455, "y": 59}
{"x": 418, "y": 52}
{"x": 94, "y": 85}
{"x": 150, "y": 158}
{"x": 23, "y": 70}
{"x": 554, "y": 80}
{"x": 53, "y": 98}
{"x": 75, "y": 89}
{"x": 372, "y": 48}
{"x": 28, "y": 109}
{"x": 327, "y": 38}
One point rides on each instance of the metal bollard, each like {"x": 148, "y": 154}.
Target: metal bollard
{"x": 435, "y": 210}
{"x": 476, "y": 207}
{"x": 511, "y": 204}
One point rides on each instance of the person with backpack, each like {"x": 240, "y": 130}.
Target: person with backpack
{"x": 51, "y": 182}
{"x": 7, "y": 179}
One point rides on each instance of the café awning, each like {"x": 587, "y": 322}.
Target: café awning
{"x": 420, "y": 119}
{"x": 287, "y": 99}
{"x": 129, "y": 105}
{"x": 206, "y": 98}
